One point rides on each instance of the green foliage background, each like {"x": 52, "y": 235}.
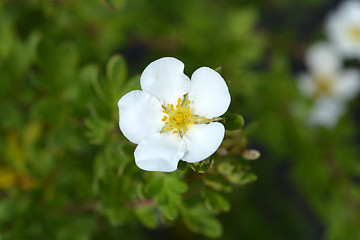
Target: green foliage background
{"x": 66, "y": 171}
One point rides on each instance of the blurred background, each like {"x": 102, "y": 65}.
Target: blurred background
{"x": 67, "y": 172}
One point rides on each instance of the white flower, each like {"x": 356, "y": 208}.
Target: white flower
{"x": 343, "y": 28}
{"x": 326, "y": 112}
{"x": 328, "y": 83}
{"x": 172, "y": 118}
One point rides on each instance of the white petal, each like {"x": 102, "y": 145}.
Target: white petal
{"x": 202, "y": 140}
{"x": 165, "y": 80}
{"x": 338, "y": 25}
{"x": 350, "y": 9}
{"x": 326, "y": 112}
{"x": 209, "y": 94}
{"x": 160, "y": 152}
{"x": 140, "y": 115}
{"x": 336, "y": 31}
{"x": 306, "y": 85}
{"x": 348, "y": 84}
{"x": 321, "y": 58}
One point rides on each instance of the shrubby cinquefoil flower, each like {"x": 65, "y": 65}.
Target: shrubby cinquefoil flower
{"x": 343, "y": 28}
{"x": 173, "y": 118}
{"x": 328, "y": 83}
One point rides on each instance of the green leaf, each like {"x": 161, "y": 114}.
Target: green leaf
{"x": 169, "y": 211}
{"x": 27, "y": 51}
{"x": 214, "y": 201}
{"x": 98, "y": 130}
{"x": 218, "y": 183}
{"x": 32, "y": 133}
{"x": 87, "y": 73}
{"x": 162, "y": 198}
{"x": 248, "y": 178}
{"x": 212, "y": 228}
{"x": 166, "y": 190}
{"x": 173, "y": 197}
{"x": 176, "y": 185}
{"x": 226, "y": 168}
{"x": 116, "y": 215}
{"x": 111, "y": 88}
{"x": 98, "y": 89}
{"x": 116, "y": 72}
{"x": 246, "y": 17}
{"x": 68, "y": 58}
{"x": 147, "y": 216}
{"x": 154, "y": 186}
{"x": 7, "y": 38}
{"x": 198, "y": 219}
{"x": 233, "y": 121}
{"x": 132, "y": 84}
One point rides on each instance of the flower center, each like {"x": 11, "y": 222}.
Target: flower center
{"x": 354, "y": 33}
{"x": 324, "y": 86}
{"x": 178, "y": 118}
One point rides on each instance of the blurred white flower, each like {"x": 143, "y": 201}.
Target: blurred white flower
{"x": 343, "y": 28}
{"x": 329, "y": 84}
{"x": 172, "y": 118}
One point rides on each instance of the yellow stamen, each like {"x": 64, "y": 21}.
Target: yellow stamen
{"x": 354, "y": 33}
{"x": 324, "y": 85}
{"x": 178, "y": 118}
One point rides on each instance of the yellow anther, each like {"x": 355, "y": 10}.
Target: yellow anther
{"x": 178, "y": 118}
{"x": 354, "y": 33}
